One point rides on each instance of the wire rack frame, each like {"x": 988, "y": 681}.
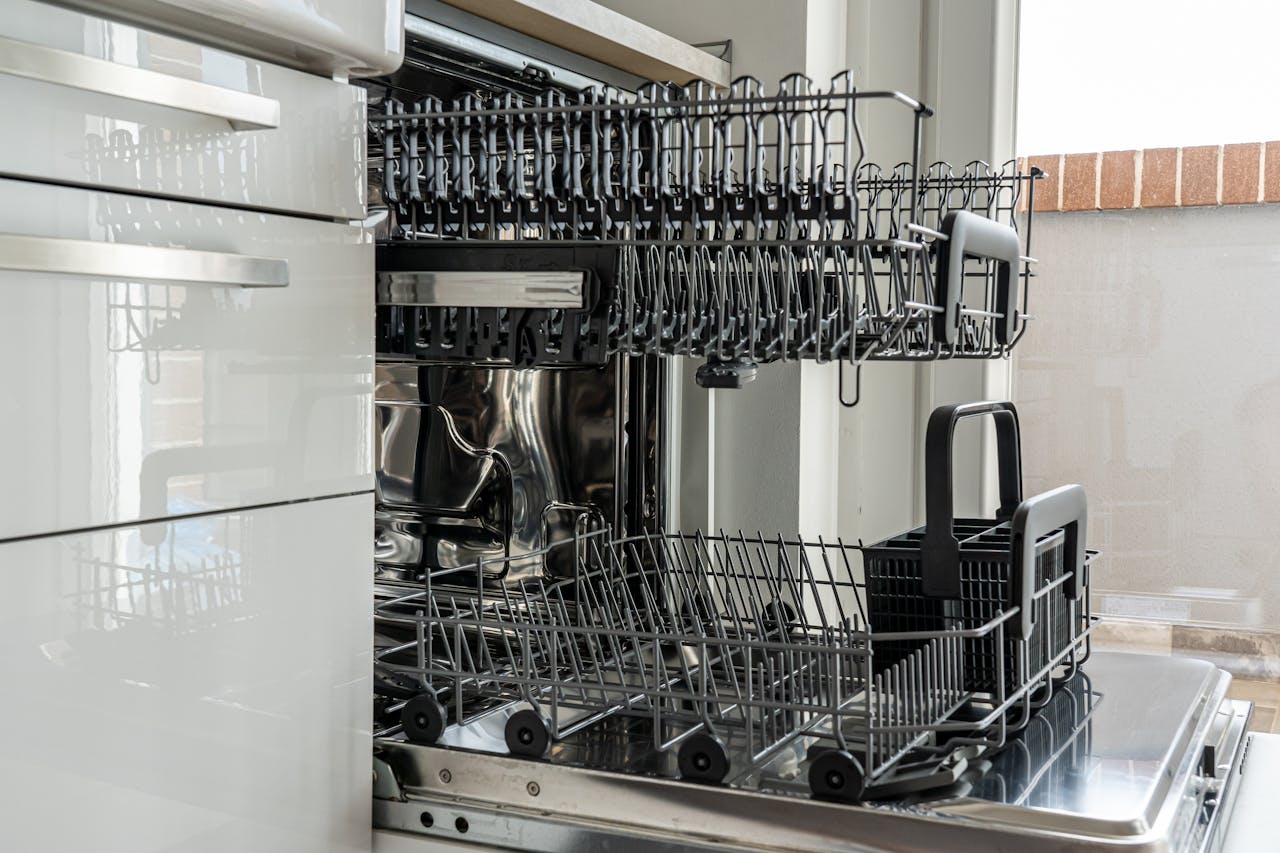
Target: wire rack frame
{"x": 748, "y": 637}
{"x": 573, "y": 164}
{"x": 747, "y": 224}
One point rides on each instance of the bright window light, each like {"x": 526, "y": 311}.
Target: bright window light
{"x": 1105, "y": 75}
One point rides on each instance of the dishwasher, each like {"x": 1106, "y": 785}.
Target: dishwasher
{"x": 558, "y": 666}
{"x": 255, "y": 573}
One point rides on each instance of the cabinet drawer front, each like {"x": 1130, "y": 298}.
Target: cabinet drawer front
{"x": 200, "y": 684}
{"x": 163, "y": 358}
{"x": 329, "y": 37}
{"x": 108, "y": 105}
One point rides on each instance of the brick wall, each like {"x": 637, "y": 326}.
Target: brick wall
{"x": 1245, "y": 173}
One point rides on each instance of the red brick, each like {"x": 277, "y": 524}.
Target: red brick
{"x": 1119, "y": 176}
{"x": 1047, "y": 188}
{"x": 1160, "y": 177}
{"x": 1199, "y": 176}
{"x": 1080, "y": 182}
{"x": 1271, "y": 173}
{"x": 1240, "y": 173}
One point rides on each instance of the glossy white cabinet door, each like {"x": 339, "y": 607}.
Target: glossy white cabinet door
{"x": 174, "y": 121}
{"x": 208, "y": 692}
{"x": 331, "y": 37}
{"x": 126, "y": 399}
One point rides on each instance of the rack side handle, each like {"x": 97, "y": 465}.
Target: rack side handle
{"x": 972, "y": 236}
{"x": 1066, "y": 507}
{"x": 242, "y": 110}
{"x": 131, "y": 262}
{"x": 940, "y": 549}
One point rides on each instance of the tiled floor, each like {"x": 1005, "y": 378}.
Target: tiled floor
{"x": 1250, "y": 658}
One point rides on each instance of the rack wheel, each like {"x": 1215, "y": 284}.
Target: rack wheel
{"x": 423, "y": 718}
{"x": 528, "y": 733}
{"x": 702, "y": 758}
{"x": 836, "y": 775}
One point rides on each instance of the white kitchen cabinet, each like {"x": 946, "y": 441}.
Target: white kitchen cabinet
{"x": 330, "y": 37}
{"x": 108, "y": 105}
{"x": 197, "y": 685}
{"x": 130, "y": 395}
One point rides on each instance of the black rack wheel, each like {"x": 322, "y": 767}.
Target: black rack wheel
{"x": 836, "y": 775}
{"x": 423, "y": 718}
{"x": 528, "y": 733}
{"x": 702, "y": 758}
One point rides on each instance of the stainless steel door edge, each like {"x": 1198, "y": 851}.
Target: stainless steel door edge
{"x": 1129, "y": 774}
{"x": 1224, "y": 750}
{"x": 242, "y": 110}
{"x": 581, "y": 807}
{"x": 465, "y": 822}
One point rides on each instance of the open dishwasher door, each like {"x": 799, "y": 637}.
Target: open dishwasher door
{"x": 1142, "y": 753}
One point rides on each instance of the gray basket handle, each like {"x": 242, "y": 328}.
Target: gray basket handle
{"x": 940, "y": 549}
{"x": 973, "y": 236}
{"x": 1065, "y": 507}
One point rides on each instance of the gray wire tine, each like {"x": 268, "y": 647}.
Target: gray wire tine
{"x": 544, "y": 644}
{"x": 576, "y": 641}
{"x": 560, "y": 626}
{"x": 654, "y": 625}
{"x": 749, "y": 572}
{"x": 833, "y": 579}
{"x": 788, "y": 577}
{"x": 705, "y": 571}
{"x": 806, "y": 570}
{"x": 723, "y": 657}
{"x": 610, "y": 575}
{"x": 512, "y": 659}
{"x": 728, "y": 581}
{"x": 767, "y": 570}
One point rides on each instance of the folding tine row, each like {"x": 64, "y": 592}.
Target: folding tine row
{"x": 727, "y": 224}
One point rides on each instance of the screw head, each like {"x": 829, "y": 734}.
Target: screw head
{"x": 533, "y": 789}
{"x": 446, "y": 777}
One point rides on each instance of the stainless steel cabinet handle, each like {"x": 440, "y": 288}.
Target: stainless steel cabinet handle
{"x": 139, "y": 263}
{"x": 50, "y": 65}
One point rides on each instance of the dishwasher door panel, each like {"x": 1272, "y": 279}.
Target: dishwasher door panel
{"x": 100, "y": 103}
{"x": 198, "y": 685}
{"x": 131, "y": 395}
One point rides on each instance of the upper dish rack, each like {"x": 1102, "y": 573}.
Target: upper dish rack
{"x": 726, "y": 224}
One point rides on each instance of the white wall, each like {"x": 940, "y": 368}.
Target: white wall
{"x": 961, "y": 59}
{"x": 766, "y": 454}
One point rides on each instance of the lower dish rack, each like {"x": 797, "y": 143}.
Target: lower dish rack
{"x": 731, "y": 647}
